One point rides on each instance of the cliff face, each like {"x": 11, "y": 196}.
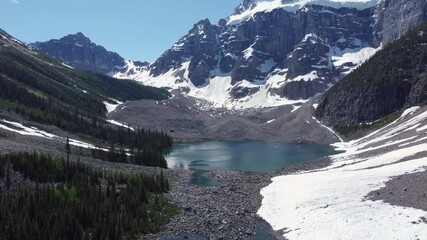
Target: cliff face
{"x": 278, "y": 52}
{"x": 395, "y": 17}
{"x": 267, "y": 53}
{"x": 299, "y": 47}
{"x": 80, "y": 52}
{"x": 395, "y": 78}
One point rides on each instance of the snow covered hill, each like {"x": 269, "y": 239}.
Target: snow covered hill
{"x": 336, "y": 202}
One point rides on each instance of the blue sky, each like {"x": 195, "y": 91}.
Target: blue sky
{"x": 136, "y": 29}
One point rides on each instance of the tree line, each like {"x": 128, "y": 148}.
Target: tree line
{"x": 72, "y": 201}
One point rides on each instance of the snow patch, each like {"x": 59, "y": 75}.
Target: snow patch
{"x": 354, "y": 56}
{"x": 110, "y": 106}
{"x": 23, "y": 130}
{"x": 295, "y": 5}
{"x": 272, "y": 120}
{"x": 307, "y": 77}
{"x": 337, "y": 194}
{"x": 120, "y": 124}
{"x": 33, "y": 131}
{"x": 65, "y": 65}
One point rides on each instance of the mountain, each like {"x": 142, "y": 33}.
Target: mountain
{"x": 80, "y": 52}
{"x": 267, "y": 53}
{"x": 38, "y": 90}
{"x": 30, "y": 79}
{"x": 279, "y": 52}
{"x": 392, "y": 80}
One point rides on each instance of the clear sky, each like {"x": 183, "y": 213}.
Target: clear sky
{"x": 136, "y": 29}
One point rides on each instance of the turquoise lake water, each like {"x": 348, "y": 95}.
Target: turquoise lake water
{"x": 245, "y": 156}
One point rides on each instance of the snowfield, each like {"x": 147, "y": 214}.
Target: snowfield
{"x": 295, "y": 5}
{"x": 332, "y": 203}
{"x": 112, "y": 107}
{"x": 217, "y": 90}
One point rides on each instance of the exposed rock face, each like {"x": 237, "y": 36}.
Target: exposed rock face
{"x": 396, "y": 17}
{"x": 200, "y": 46}
{"x": 267, "y": 57}
{"x": 246, "y": 5}
{"x": 80, "y": 52}
{"x": 298, "y": 48}
{"x": 395, "y": 78}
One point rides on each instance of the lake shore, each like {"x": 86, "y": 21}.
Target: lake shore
{"x": 227, "y": 211}
{"x": 230, "y": 210}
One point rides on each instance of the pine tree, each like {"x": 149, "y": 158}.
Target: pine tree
{"x": 8, "y": 180}
{"x": 68, "y": 149}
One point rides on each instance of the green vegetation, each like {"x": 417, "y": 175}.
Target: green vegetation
{"x": 400, "y": 61}
{"x": 42, "y": 90}
{"x": 358, "y": 130}
{"x": 72, "y": 201}
{"x": 394, "y": 79}
{"x": 47, "y": 76}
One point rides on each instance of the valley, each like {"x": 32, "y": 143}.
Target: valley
{"x": 189, "y": 119}
{"x": 299, "y": 119}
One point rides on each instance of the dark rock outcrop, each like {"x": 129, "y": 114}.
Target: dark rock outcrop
{"x": 394, "y": 79}
{"x": 300, "y": 42}
{"x": 80, "y": 52}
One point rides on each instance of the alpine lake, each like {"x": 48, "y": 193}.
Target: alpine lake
{"x": 204, "y": 157}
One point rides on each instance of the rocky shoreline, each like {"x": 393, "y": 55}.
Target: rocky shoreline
{"x": 227, "y": 211}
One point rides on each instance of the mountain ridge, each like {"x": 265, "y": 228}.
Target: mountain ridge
{"x": 277, "y": 56}
{"x": 79, "y": 51}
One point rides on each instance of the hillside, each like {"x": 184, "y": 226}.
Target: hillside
{"x": 393, "y": 80}
{"x": 37, "y": 89}
{"x": 36, "y": 74}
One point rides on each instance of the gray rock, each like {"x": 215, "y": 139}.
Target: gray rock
{"x": 80, "y": 52}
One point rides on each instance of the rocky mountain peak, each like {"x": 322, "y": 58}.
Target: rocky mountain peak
{"x": 245, "y": 6}
{"x": 270, "y": 52}
{"x": 78, "y": 39}
{"x": 274, "y": 52}
{"x": 79, "y": 51}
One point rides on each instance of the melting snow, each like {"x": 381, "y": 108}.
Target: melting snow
{"x": 272, "y": 120}
{"x": 33, "y": 131}
{"x": 68, "y": 66}
{"x": 111, "y": 107}
{"x": 120, "y": 124}
{"x": 23, "y": 130}
{"x": 331, "y": 203}
{"x": 308, "y": 77}
{"x": 356, "y": 57}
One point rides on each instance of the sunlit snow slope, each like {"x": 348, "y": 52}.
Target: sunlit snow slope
{"x": 256, "y": 6}
{"x": 331, "y": 203}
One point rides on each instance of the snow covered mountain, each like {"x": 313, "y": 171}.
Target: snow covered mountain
{"x": 268, "y": 53}
{"x": 278, "y": 52}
